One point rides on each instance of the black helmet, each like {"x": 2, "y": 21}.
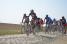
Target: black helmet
{"x": 25, "y": 14}
{"x": 54, "y": 19}
{"x": 62, "y": 17}
{"x": 32, "y": 10}
{"x": 47, "y": 15}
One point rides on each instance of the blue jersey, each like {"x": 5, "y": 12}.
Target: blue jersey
{"x": 48, "y": 20}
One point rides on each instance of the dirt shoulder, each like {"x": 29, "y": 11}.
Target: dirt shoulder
{"x": 60, "y": 40}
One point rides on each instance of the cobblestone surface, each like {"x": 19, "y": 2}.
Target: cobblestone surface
{"x": 40, "y": 38}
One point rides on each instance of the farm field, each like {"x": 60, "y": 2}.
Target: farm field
{"x": 8, "y": 29}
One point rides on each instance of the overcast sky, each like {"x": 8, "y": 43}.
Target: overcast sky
{"x": 11, "y": 11}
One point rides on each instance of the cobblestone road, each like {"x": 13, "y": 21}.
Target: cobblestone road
{"x": 40, "y": 38}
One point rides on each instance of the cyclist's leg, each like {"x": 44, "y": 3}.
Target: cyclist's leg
{"x": 46, "y": 28}
{"x": 28, "y": 29}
